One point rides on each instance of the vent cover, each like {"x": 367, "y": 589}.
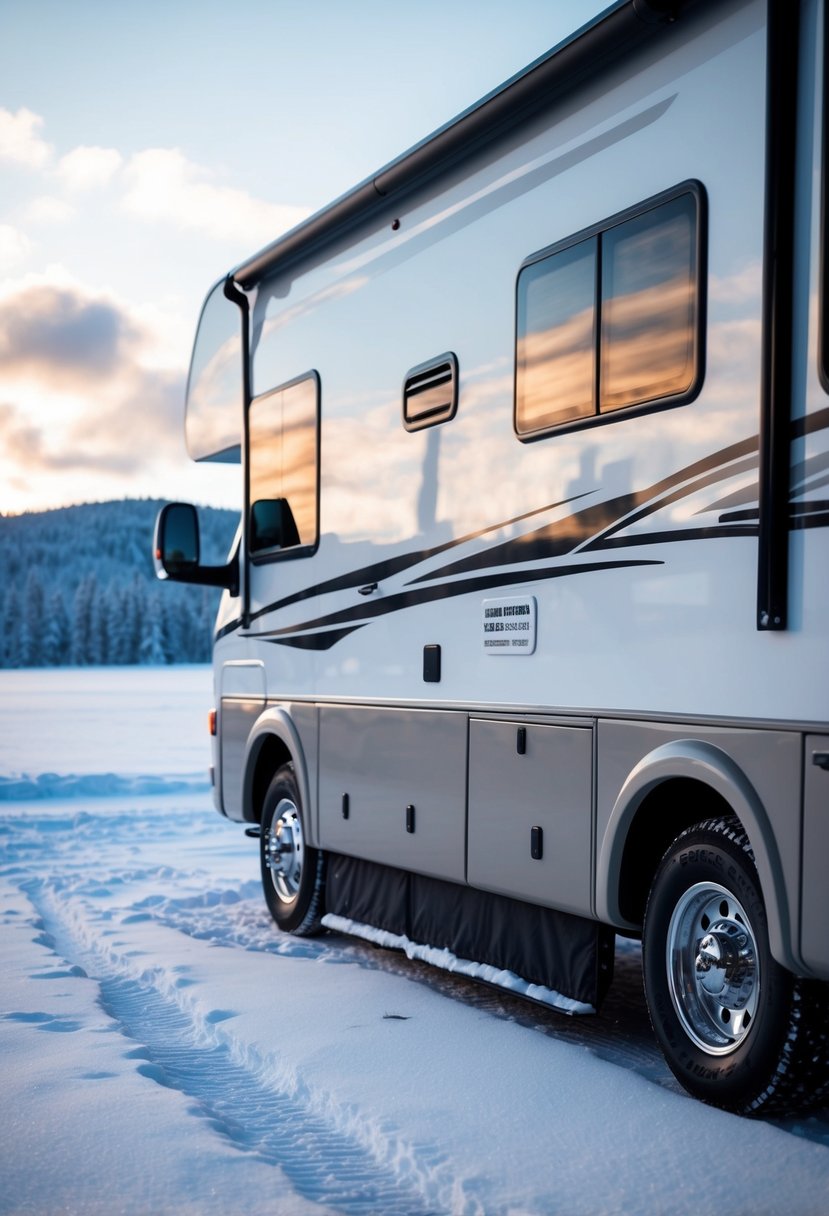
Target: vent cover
{"x": 430, "y": 392}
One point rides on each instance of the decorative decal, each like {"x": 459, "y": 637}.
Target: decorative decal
{"x": 536, "y": 555}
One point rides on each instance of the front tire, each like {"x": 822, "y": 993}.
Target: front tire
{"x": 292, "y": 871}
{"x": 736, "y": 1028}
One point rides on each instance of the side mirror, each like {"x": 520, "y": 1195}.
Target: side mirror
{"x": 176, "y": 544}
{"x": 176, "y": 551}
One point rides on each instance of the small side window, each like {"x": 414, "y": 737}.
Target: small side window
{"x": 283, "y": 467}
{"x": 430, "y": 392}
{"x": 612, "y": 319}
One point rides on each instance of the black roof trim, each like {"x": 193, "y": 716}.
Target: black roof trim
{"x": 611, "y": 35}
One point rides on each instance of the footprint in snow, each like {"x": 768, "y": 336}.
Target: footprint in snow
{"x": 44, "y": 1021}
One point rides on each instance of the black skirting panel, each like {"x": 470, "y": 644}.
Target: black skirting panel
{"x": 568, "y": 953}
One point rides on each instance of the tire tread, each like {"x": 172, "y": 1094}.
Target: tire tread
{"x": 800, "y": 1079}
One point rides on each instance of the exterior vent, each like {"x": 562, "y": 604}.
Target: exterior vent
{"x": 430, "y": 393}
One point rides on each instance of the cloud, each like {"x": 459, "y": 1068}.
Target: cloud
{"x": 132, "y": 432}
{"x": 86, "y": 168}
{"x": 20, "y": 439}
{"x": 62, "y": 338}
{"x": 79, "y": 396}
{"x": 15, "y": 246}
{"x": 20, "y": 139}
{"x": 46, "y": 209}
{"x": 163, "y": 185}
{"x": 158, "y": 185}
{"x": 135, "y": 428}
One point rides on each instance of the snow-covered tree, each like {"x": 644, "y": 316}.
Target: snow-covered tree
{"x": 95, "y": 561}
{"x": 56, "y": 634}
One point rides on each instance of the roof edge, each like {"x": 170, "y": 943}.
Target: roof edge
{"x": 607, "y": 38}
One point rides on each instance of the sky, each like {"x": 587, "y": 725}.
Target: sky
{"x": 147, "y": 149}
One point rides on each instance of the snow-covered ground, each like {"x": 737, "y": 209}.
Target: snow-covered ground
{"x": 163, "y": 1048}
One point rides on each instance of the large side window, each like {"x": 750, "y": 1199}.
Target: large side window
{"x": 612, "y": 319}
{"x": 284, "y": 467}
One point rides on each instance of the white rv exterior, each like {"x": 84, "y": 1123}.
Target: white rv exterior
{"x": 530, "y": 594}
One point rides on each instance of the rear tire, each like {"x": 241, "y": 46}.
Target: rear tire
{"x": 736, "y": 1028}
{"x": 292, "y": 872}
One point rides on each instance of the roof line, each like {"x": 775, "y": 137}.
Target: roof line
{"x": 608, "y": 37}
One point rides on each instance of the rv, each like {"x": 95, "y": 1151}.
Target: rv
{"x": 523, "y": 641}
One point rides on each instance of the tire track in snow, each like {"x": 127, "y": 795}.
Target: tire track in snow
{"x": 240, "y": 1095}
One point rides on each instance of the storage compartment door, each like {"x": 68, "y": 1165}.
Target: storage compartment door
{"x": 815, "y": 925}
{"x": 393, "y": 787}
{"x": 530, "y": 812}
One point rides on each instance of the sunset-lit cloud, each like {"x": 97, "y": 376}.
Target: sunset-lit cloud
{"x": 79, "y": 394}
{"x": 59, "y": 337}
{"x": 92, "y": 378}
{"x": 163, "y": 185}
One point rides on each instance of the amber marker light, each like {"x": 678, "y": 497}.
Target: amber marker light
{"x": 211, "y": 722}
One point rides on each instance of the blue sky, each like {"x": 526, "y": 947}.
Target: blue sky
{"x": 145, "y": 149}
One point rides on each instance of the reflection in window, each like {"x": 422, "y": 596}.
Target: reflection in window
{"x": 213, "y": 420}
{"x": 556, "y": 326}
{"x": 591, "y": 343}
{"x": 283, "y": 466}
{"x": 648, "y": 306}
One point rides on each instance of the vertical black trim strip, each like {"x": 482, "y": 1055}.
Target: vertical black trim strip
{"x": 778, "y": 289}
{"x": 823, "y": 358}
{"x": 239, "y": 298}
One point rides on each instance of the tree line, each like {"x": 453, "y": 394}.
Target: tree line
{"x": 80, "y": 589}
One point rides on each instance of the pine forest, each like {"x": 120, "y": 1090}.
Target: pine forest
{"x": 79, "y": 589}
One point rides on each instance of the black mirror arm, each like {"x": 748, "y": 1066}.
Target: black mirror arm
{"x": 226, "y": 577}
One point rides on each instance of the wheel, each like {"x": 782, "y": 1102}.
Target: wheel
{"x": 736, "y": 1028}
{"x": 292, "y": 872}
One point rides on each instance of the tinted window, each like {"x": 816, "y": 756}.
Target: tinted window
{"x": 611, "y": 319}
{"x": 283, "y": 466}
{"x": 649, "y": 306}
{"x": 213, "y": 422}
{"x": 557, "y": 338}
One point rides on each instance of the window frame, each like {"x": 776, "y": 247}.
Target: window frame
{"x": 263, "y": 556}
{"x": 595, "y": 232}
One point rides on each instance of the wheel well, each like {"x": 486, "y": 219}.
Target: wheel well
{"x": 272, "y": 755}
{"x": 666, "y": 811}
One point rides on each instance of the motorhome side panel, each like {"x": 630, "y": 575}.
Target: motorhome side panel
{"x": 618, "y": 527}
{"x": 518, "y": 497}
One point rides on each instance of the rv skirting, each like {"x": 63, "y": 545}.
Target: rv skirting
{"x": 563, "y": 960}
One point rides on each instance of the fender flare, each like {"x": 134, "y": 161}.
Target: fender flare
{"x": 708, "y": 764}
{"x": 275, "y": 722}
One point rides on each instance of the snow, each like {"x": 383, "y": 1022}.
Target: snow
{"x": 164, "y": 1048}
{"x": 448, "y": 961}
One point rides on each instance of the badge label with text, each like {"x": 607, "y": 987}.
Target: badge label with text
{"x": 509, "y": 625}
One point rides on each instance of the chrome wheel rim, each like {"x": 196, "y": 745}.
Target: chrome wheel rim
{"x": 713, "y": 968}
{"x": 284, "y": 848}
